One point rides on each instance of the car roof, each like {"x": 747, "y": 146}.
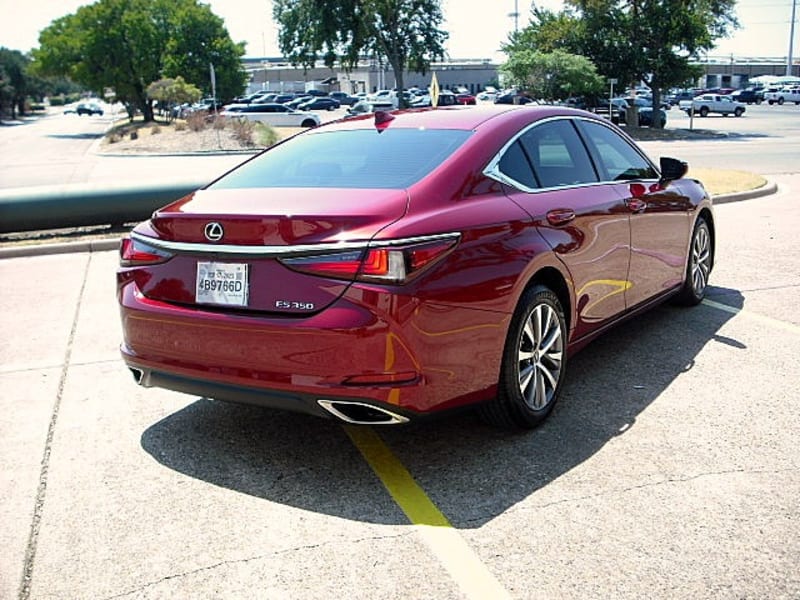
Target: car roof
{"x": 461, "y": 117}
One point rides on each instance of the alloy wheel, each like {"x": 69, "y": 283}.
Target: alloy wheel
{"x": 701, "y": 260}
{"x": 540, "y": 355}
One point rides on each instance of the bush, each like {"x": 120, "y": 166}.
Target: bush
{"x": 218, "y": 123}
{"x": 266, "y": 135}
{"x": 155, "y": 129}
{"x": 243, "y": 131}
{"x": 57, "y": 101}
{"x": 180, "y": 126}
{"x": 196, "y": 120}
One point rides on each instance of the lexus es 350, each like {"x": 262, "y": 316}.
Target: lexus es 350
{"x": 397, "y": 265}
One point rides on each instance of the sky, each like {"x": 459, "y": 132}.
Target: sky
{"x": 477, "y": 29}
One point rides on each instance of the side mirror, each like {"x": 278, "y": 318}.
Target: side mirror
{"x": 672, "y": 168}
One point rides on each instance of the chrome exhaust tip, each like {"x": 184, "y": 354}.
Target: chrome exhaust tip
{"x": 138, "y": 374}
{"x": 360, "y": 413}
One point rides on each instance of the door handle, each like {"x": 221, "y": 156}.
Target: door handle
{"x": 636, "y": 205}
{"x": 560, "y": 216}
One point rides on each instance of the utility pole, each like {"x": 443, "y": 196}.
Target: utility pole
{"x": 515, "y": 14}
{"x": 791, "y": 39}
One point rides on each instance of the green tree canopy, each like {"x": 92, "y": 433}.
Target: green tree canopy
{"x": 633, "y": 40}
{"x": 127, "y": 44}
{"x": 18, "y": 82}
{"x": 553, "y": 75}
{"x": 171, "y": 91}
{"x": 405, "y": 32}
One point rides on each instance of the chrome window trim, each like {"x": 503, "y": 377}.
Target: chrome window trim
{"x": 278, "y": 251}
{"x": 493, "y": 171}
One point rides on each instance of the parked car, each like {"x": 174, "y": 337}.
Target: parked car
{"x": 277, "y": 115}
{"x": 749, "y": 95}
{"x": 297, "y": 101}
{"x": 784, "y": 94}
{"x": 675, "y": 98}
{"x": 89, "y": 108}
{"x": 386, "y": 269}
{"x": 344, "y": 99}
{"x": 513, "y": 98}
{"x": 446, "y": 98}
{"x": 706, "y": 104}
{"x": 467, "y": 99}
{"x": 320, "y": 103}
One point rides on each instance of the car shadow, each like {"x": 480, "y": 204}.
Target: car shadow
{"x": 472, "y": 472}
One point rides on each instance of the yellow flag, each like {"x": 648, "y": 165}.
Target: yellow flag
{"x": 433, "y": 90}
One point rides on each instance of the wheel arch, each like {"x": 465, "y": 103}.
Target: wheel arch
{"x": 553, "y": 279}
{"x": 706, "y": 214}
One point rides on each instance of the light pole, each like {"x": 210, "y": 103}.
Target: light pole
{"x": 791, "y": 40}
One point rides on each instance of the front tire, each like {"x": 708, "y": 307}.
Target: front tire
{"x": 738, "y": 112}
{"x": 703, "y": 111}
{"x": 534, "y": 363}
{"x": 698, "y": 265}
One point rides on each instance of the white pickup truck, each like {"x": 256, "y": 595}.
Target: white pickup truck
{"x": 787, "y": 94}
{"x": 705, "y": 104}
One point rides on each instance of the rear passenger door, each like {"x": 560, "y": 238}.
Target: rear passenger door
{"x": 584, "y": 221}
{"x": 659, "y": 219}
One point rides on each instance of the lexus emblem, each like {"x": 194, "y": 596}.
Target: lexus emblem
{"x": 214, "y": 232}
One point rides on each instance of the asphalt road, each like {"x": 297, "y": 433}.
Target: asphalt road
{"x": 669, "y": 469}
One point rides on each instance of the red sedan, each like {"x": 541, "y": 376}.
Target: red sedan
{"x": 467, "y": 99}
{"x": 393, "y": 266}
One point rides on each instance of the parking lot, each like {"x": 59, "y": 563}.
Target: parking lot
{"x": 668, "y": 469}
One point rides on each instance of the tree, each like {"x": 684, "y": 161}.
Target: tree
{"x": 126, "y": 44}
{"x": 635, "y": 40}
{"x": 405, "y": 32}
{"x": 553, "y": 75}
{"x": 173, "y": 91}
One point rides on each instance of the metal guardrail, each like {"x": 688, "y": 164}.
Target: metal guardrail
{"x": 56, "y": 207}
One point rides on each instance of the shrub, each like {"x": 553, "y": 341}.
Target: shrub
{"x": 155, "y": 129}
{"x": 218, "y": 123}
{"x": 180, "y": 126}
{"x": 266, "y": 135}
{"x": 243, "y": 131}
{"x": 57, "y": 101}
{"x": 196, "y": 121}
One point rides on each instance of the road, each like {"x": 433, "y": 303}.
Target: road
{"x": 60, "y": 149}
{"x": 669, "y": 469}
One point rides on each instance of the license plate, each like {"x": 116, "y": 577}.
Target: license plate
{"x": 222, "y": 283}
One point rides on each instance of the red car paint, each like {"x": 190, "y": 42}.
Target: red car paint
{"x": 431, "y": 342}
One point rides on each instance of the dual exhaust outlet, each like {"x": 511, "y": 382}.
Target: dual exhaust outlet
{"x": 356, "y": 413}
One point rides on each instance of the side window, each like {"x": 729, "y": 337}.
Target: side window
{"x": 617, "y": 159}
{"x": 515, "y": 165}
{"x": 558, "y": 155}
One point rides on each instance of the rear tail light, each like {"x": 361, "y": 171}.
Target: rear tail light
{"x": 396, "y": 263}
{"x": 133, "y": 253}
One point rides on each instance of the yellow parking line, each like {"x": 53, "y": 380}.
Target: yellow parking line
{"x": 453, "y": 552}
{"x": 791, "y": 327}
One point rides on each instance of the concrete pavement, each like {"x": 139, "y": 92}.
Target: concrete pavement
{"x": 669, "y": 469}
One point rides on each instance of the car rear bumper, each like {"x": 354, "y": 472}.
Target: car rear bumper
{"x": 413, "y": 361}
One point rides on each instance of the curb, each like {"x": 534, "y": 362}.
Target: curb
{"x": 113, "y": 243}
{"x": 765, "y": 190}
{"x": 61, "y": 248}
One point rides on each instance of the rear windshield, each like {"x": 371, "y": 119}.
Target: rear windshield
{"x": 363, "y": 158}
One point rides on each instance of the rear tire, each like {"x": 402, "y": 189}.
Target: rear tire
{"x": 534, "y": 363}
{"x": 738, "y": 112}
{"x": 698, "y": 266}
{"x": 308, "y": 123}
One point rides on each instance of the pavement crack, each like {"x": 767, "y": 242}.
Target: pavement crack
{"x": 670, "y": 480}
{"x": 41, "y": 490}
{"x": 240, "y": 561}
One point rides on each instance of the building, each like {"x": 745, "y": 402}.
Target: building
{"x": 276, "y": 75}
